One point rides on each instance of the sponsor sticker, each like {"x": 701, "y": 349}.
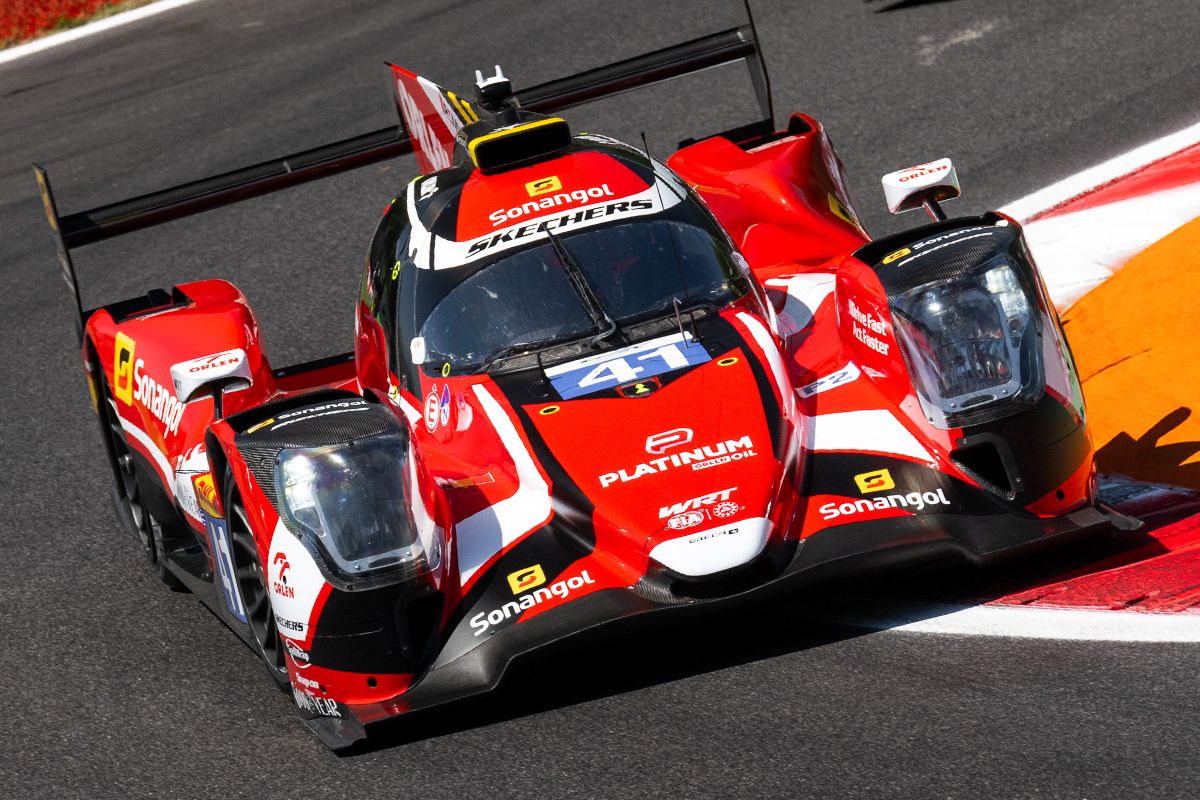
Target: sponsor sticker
{"x": 123, "y": 369}
{"x": 130, "y": 382}
{"x": 911, "y": 501}
{"x": 935, "y": 243}
{"x": 568, "y": 199}
{"x": 843, "y": 376}
{"x": 710, "y": 455}
{"x": 431, "y": 409}
{"x": 660, "y": 443}
{"x": 922, "y": 170}
{"x": 901, "y": 253}
{"x": 544, "y": 186}
{"x": 689, "y": 513}
{"x": 218, "y": 539}
{"x": 313, "y": 412}
{"x": 525, "y": 579}
{"x": 879, "y": 480}
{"x": 281, "y": 570}
{"x": 429, "y": 188}
{"x": 638, "y": 362}
{"x": 868, "y": 328}
{"x": 321, "y": 706}
{"x": 640, "y": 388}
{"x": 688, "y": 519}
{"x": 299, "y": 655}
{"x": 562, "y": 589}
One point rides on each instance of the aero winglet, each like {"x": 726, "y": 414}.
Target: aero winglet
{"x": 64, "y": 254}
{"x": 433, "y": 116}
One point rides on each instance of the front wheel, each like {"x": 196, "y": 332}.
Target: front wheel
{"x": 252, "y": 583}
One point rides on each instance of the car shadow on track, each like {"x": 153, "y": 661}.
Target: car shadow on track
{"x": 1149, "y": 458}
{"x": 639, "y": 653}
{"x": 624, "y": 657}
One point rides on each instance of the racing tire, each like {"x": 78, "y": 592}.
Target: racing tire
{"x": 127, "y": 498}
{"x": 252, "y": 583}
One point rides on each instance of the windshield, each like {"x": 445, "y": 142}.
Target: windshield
{"x": 635, "y": 271}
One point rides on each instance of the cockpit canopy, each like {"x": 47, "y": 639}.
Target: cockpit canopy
{"x": 540, "y": 296}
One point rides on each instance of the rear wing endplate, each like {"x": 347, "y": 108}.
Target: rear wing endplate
{"x": 81, "y": 228}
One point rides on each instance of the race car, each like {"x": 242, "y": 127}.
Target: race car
{"x": 586, "y": 386}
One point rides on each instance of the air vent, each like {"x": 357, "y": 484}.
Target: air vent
{"x": 984, "y": 462}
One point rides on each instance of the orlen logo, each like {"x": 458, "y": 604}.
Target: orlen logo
{"x": 283, "y": 569}
{"x": 525, "y": 579}
{"x": 696, "y": 503}
{"x": 227, "y": 359}
{"x": 878, "y": 481}
{"x": 921, "y": 170}
{"x": 660, "y": 443}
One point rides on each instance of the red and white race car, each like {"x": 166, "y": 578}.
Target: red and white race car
{"x": 585, "y": 385}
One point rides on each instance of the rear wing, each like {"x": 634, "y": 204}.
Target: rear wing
{"x": 81, "y": 228}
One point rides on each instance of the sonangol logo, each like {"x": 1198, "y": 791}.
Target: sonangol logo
{"x": 543, "y": 186}
{"x": 525, "y": 579}
{"x": 879, "y": 480}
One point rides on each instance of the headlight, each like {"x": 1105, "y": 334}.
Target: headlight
{"x": 357, "y": 500}
{"x": 972, "y": 344}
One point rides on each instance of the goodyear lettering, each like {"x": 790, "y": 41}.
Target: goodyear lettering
{"x": 700, "y": 458}
{"x": 316, "y": 705}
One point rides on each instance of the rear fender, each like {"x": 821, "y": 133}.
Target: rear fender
{"x": 135, "y": 346}
{"x": 782, "y": 196}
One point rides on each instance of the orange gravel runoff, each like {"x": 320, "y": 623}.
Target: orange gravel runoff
{"x": 1135, "y": 341}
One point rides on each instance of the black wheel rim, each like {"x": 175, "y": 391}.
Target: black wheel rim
{"x": 253, "y": 586}
{"x": 127, "y": 484}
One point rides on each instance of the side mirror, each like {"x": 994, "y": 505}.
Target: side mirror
{"x": 922, "y": 186}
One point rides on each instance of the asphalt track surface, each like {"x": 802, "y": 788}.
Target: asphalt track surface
{"x": 114, "y": 687}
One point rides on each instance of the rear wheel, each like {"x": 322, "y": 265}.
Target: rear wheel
{"x": 252, "y": 583}
{"x": 127, "y": 494}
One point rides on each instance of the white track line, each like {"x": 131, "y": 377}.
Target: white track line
{"x": 1019, "y": 622}
{"x": 87, "y": 29}
{"x": 1056, "y": 194}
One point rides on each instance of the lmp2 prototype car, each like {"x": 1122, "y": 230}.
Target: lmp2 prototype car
{"x": 585, "y": 386}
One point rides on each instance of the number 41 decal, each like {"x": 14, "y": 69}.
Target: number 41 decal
{"x": 638, "y": 362}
